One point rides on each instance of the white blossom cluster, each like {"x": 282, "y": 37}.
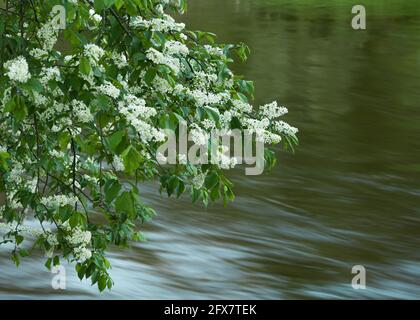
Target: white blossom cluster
{"x": 79, "y": 240}
{"x": 164, "y": 24}
{"x": 81, "y": 111}
{"x": 214, "y": 51}
{"x": 272, "y": 110}
{"x": 224, "y": 159}
{"x": 94, "y": 16}
{"x": 283, "y": 127}
{"x": 109, "y": 89}
{"x": 18, "y": 69}
{"x": 208, "y": 98}
{"x": 58, "y": 201}
{"x": 136, "y": 113}
{"x": 159, "y": 58}
{"x": 93, "y": 52}
{"x": 48, "y": 35}
{"x": 118, "y": 164}
{"x": 198, "y": 180}
{"x": 87, "y": 112}
{"x": 51, "y": 73}
{"x": 176, "y": 48}
{"x": 119, "y": 59}
{"x": 199, "y": 136}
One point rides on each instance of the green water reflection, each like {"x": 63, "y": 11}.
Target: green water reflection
{"x": 349, "y": 196}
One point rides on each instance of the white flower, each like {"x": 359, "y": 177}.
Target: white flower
{"x": 81, "y": 111}
{"x": 119, "y": 59}
{"x": 224, "y": 160}
{"x": 208, "y": 98}
{"x": 93, "y": 52}
{"x": 38, "y": 53}
{"x": 272, "y": 110}
{"x": 175, "y": 47}
{"x": 159, "y": 58}
{"x": 208, "y": 124}
{"x": 283, "y": 127}
{"x": 166, "y": 24}
{"x": 225, "y": 119}
{"x": 270, "y": 138}
{"x": 199, "y": 136}
{"x": 94, "y": 16}
{"x": 109, "y": 89}
{"x": 47, "y": 74}
{"x": 68, "y": 58}
{"x": 32, "y": 185}
{"x": 79, "y": 237}
{"x": 51, "y": 239}
{"x": 82, "y": 254}
{"x": 241, "y": 107}
{"x": 18, "y": 69}
{"x": 15, "y": 175}
{"x": 48, "y": 34}
{"x": 203, "y": 80}
{"x": 198, "y": 180}
{"x": 118, "y": 164}
{"x": 58, "y": 201}
{"x": 214, "y": 51}
{"x": 133, "y": 108}
{"x": 57, "y": 154}
{"x": 135, "y": 111}
{"x": 161, "y": 85}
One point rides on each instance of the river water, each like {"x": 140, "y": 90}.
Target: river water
{"x": 349, "y": 196}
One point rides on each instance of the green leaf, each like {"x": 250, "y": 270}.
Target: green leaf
{"x": 131, "y": 158}
{"x": 172, "y": 185}
{"x": 112, "y": 189}
{"x": 65, "y": 213}
{"x": 115, "y": 139}
{"x": 33, "y": 84}
{"x": 150, "y": 76}
{"x": 102, "y": 283}
{"x": 23, "y": 252}
{"x": 84, "y": 66}
{"x": 19, "y": 239}
{"x": 103, "y": 4}
{"x": 81, "y": 270}
{"x": 56, "y": 261}
{"x": 15, "y": 259}
{"x": 4, "y": 156}
{"x": 125, "y": 204}
{"x": 211, "y": 180}
{"x": 48, "y": 263}
{"x": 17, "y": 107}
{"x": 74, "y": 220}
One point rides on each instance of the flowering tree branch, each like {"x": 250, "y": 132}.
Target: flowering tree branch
{"x": 85, "y": 111}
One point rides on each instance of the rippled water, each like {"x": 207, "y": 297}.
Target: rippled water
{"x": 349, "y": 196}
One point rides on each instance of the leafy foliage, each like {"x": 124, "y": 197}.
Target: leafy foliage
{"x": 81, "y": 121}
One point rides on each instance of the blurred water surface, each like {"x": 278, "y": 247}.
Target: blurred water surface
{"x": 349, "y": 196}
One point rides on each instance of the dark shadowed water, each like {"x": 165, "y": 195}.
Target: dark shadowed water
{"x": 349, "y": 196}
